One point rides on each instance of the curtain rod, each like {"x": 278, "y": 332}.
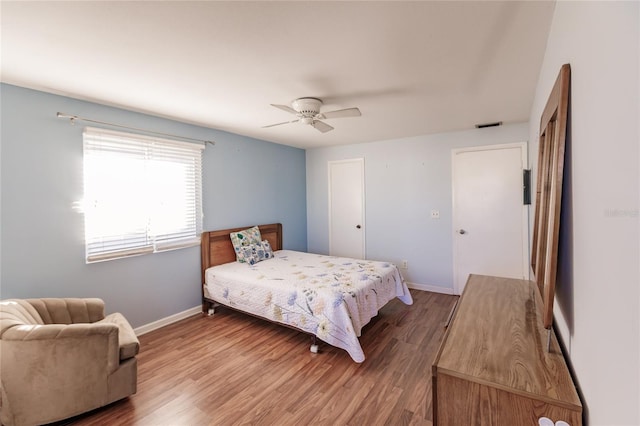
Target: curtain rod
{"x": 74, "y": 118}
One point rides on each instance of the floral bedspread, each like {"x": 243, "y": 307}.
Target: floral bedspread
{"x": 331, "y": 297}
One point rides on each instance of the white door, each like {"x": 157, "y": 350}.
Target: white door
{"x": 346, "y": 208}
{"x": 490, "y": 222}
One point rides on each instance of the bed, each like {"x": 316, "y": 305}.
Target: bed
{"x": 331, "y": 298}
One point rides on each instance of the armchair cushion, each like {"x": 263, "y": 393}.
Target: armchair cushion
{"x": 129, "y": 344}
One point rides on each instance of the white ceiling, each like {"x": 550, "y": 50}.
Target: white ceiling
{"x": 411, "y": 67}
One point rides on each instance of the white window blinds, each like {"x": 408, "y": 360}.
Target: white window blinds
{"x": 141, "y": 194}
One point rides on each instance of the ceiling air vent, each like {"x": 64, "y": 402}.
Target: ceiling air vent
{"x": 483, "y": 125}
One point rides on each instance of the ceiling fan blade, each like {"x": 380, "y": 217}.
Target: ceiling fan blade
{"x": 279, "y": 124}
{"x": 347, "y": 112}
{"x": 323, "y": 127}
{"x": 285, "y": 108}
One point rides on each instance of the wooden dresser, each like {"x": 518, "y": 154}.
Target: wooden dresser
{"x": 493, "y": 367}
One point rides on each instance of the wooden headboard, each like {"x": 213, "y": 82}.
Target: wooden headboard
{"x": 216, "y": 247}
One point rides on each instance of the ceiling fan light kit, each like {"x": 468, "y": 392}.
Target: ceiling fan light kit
{"x": 308, "y": 112}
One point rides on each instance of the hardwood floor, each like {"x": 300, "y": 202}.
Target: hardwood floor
{"x": 235, "y": 369}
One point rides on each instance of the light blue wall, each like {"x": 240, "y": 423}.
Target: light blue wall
{"x": 245, "y": 182}
{"x": 405, "y": 179}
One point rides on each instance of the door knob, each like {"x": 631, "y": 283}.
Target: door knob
{"x": 358, "y": 226}
{"x": 462, "y": 232}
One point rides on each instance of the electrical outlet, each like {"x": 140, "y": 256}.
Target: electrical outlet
{"x": 435, "y": 214}
{"x": 404, "y": 264}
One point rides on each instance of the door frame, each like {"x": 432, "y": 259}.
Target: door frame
{"x": 359, "y": 160}
{"x": 525, "y": 208}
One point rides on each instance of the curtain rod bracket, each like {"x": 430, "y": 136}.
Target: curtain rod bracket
{"x": 74, "y": 118}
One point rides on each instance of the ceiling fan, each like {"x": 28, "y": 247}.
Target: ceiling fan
{"x": 308, "y": 112}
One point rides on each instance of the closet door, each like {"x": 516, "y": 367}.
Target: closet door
{"x": 346, "y": 208}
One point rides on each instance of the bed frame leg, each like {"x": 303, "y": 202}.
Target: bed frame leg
{"x": 314, "y": 345}
{"x": 208, "y": 308}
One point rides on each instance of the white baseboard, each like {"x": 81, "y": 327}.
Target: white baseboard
{"x": 431, "y": 288}
{"x": 143, "y": 329}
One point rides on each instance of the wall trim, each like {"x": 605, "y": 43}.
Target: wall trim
{"x": 143, "y": 329}
{"x": 431, "y": 288}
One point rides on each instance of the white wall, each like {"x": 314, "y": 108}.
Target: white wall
{"x": 597, "y": 303}
{"x": 404, "y": 180}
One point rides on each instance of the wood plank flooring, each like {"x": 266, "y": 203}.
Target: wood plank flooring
{"x": 235, "y": 369}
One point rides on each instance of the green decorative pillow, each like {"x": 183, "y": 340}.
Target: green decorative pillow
{"x": 244, "y": 238}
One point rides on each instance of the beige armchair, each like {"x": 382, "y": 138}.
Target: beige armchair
{"x": 62, "y": 357}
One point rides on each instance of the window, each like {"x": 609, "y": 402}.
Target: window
{"x": 141, "y": 194}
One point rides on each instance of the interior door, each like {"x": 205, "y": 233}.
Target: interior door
{"x": 346, "y": 208}
{"x": 490, "y": 220}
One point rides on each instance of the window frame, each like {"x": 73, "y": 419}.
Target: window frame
{"x": 146, "y": 162}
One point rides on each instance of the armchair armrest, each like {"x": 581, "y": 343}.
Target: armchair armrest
{"x": 70, "y": 348}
